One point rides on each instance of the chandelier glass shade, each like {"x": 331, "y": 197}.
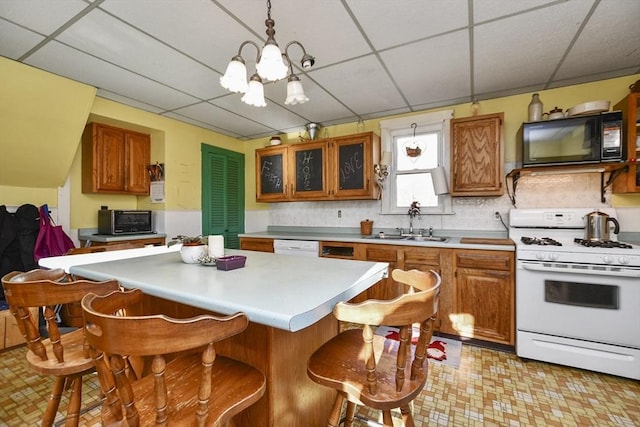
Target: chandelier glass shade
{"x": 271, "y": 65}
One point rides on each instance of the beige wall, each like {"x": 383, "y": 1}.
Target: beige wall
{"x": 177, "y": 144}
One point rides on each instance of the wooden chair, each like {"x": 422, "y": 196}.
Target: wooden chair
{"x": 187, "y": 387}
{"x": 365, "y": 368}
{"x": 63, "y": 356}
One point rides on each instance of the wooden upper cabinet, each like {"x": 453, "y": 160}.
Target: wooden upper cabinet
{"x": 629, "y": 182}
{"x": 327, "y": 169}
{"x": 272, "y": 175}
{"x": 477, "y": 156}
{"x": 115, "y": 160}
{"x": 353, "y": 158}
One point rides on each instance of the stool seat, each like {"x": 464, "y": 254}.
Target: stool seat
{"x": 76, "y": 358}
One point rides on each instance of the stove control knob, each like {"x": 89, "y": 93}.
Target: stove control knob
{"x": 540, "y": 256}
{"x": 553, "y": 257}
{"x": 624, "y": 260}
{"x": 608, "y": 259}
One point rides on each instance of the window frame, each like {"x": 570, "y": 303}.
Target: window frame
{"x": 389, "y": 129}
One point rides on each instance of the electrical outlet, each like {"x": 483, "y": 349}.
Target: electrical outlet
{"x": 496, "y": 216}
{"x": 339, "y": 213}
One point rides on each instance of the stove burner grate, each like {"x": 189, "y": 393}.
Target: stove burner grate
{"x": 543, "y": 241}
{"x": 602, "y": 243}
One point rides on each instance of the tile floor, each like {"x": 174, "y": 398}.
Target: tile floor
{"x": 489, "y": 388}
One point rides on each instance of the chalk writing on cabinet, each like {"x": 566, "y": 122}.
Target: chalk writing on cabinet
{"x": 271, "y": 174}
{"x": 351, "y": 159}
{"x": 309, "y": 170}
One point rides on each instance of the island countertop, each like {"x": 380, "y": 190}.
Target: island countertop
{"x": 283, "y": 291}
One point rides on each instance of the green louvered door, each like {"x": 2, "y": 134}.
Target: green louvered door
{"x": 223, "y": 194}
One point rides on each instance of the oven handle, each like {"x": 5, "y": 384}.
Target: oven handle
{"x": 619, "y": 273}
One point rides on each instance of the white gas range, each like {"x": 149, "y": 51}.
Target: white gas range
{"x": 576, "y": 305}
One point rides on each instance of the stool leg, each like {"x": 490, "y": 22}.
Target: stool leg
{"x": 73, "y": 411}
{"x": 351, "y": 412}
{"x": 54, "y": 401}
{"x": 387, "y": 421}
{"x": 407, "y": 416}
{"x": 336, "y": 410}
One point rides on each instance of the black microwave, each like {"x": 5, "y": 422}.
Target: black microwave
{"x": 593, "y": 138}
{"x": 112, "y": 221}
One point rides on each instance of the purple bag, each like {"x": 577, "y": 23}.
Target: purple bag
{"x": 52, "y": 240}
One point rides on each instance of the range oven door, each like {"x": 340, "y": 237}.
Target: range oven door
{"x": 578, "y": 315}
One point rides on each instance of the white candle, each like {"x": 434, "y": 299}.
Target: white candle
{"x": 216, "y": 246}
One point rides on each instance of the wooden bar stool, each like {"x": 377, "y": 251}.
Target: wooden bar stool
{"x": 365, "y": 368}
{"x": 63, "y": 356}
{"x": 188, "y": 383}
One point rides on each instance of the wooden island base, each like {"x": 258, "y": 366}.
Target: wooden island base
{"x": 291, "y": 399}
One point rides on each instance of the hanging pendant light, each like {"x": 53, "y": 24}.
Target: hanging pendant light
{"x": 271, "y": 65}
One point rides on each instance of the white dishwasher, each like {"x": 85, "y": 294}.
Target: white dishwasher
{"x": 297, "y": 247}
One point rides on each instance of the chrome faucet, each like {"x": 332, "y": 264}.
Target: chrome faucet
{"x": 414, "y": 211}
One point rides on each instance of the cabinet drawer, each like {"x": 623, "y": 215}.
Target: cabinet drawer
{"x": 423, "y": 256}
{"x": 381, "y": 253}
{"x": 256, "y": 244}
{"x": 484, "y": 260}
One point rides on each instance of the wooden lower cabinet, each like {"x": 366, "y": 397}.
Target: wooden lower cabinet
{"x": 256, "y": 244}
{"x": 386, "y": 288}
{"x": 484, "y": 295}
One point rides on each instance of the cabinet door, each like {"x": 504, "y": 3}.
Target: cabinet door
{"x": 629, "y": 182}
{"x": 353, "y": 158}
{"x": 386, "y": 288}
{"x": 114, "y": 160}
{"x": 137, "y": 154}
{"x": 308, "y": 164}
{"x": 438, "y": 260}
{"x": 477, "y": 156}
{"x": 485, "y": 306}
{"x": 272, "y": 174}
{"x": 109, "y": 155}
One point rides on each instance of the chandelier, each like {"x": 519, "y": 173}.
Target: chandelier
{"x": 271, "y": 65}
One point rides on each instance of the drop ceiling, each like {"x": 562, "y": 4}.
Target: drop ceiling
{"x": 373, "y": 58}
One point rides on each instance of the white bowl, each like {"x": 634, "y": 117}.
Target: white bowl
{"x": 591, "y": 107}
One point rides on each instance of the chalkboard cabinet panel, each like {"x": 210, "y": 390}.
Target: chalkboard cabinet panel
{"x": 353, "y": 158}
{"x": 328, "y": 169}
{"x": 272, "y": 175}
{"x": 477, "y": 156}
{"x": 309, "y": 166}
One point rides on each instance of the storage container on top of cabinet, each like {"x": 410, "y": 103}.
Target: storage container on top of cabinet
{"x": 477, "y": 156}
{"x": 115, "y": 160}
{"x": 629, "y": 182}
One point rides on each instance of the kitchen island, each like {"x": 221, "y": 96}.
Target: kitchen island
{"x": 288, "y": 300}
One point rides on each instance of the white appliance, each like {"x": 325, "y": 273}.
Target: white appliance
{"x": 576, "y": 305}
{"x": 297, "y": 247}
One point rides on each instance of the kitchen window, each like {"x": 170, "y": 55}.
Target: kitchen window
{"x": 414, "y": 156}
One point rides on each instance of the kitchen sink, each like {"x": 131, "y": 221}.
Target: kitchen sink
{"x": 428, "y": 238}
{"x": 388, "y": 237}
{"x": 414, "y": 238}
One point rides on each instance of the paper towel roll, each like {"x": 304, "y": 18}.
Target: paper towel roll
{"x": 216, "y": 246}
{"x": 439, "y": 179}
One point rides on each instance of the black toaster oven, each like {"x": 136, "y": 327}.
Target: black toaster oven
{"x": 111, "y": 221}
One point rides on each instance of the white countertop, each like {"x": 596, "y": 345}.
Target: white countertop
{"x": 283, "y": 291}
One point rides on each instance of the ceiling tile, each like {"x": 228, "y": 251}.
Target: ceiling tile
{"x": 361, "y": 84}
{"x": 22, "y": 40}
{"x": 515, "y": 52}
{"x": 487, "y": 10}
{"x": 223, "y": 119}
{"x": 103, "y": 36}
{"x": 42, "y": 16}
{"x": 439, "y": 68}
{"x": 418, "y": 19}
{"x": 608, "y": 38}
{"x": 65, "y": 61}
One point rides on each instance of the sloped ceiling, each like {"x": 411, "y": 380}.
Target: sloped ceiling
{"x": 373, "y": 58}
{"x": 42, "y": 117}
